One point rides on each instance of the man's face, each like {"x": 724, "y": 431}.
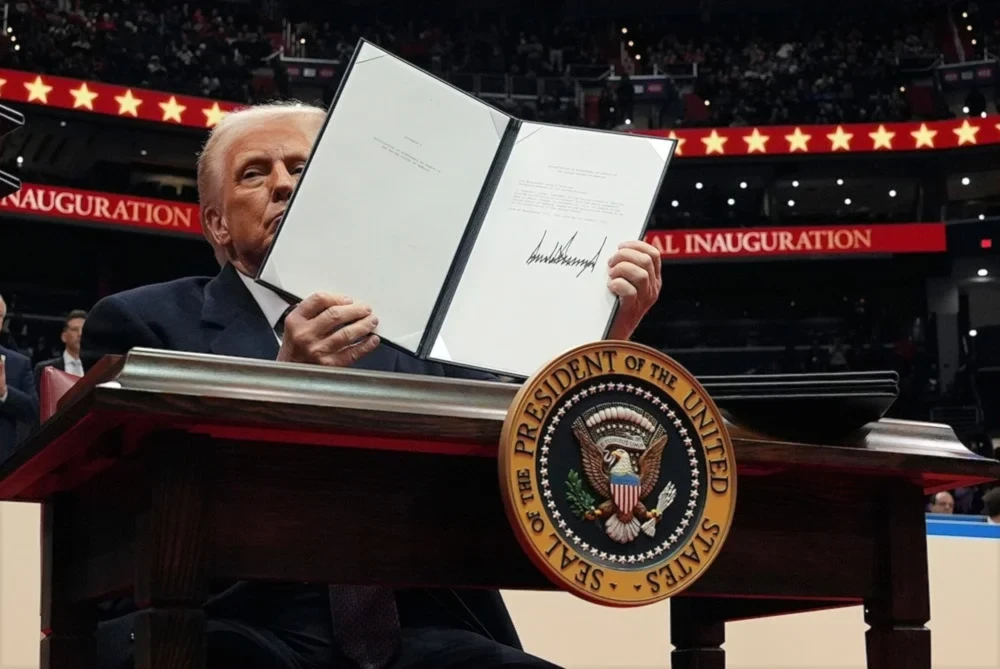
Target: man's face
{"x": 71, "y": 335}
{"x": 943, "y": 503}
{"x": 260, "y": 168}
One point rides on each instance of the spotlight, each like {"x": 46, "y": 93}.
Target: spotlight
{"x": 638, "y": 56}
{"x": 974, "y": 42}
{"x": 982, "y": 271}
{"x": 628, "y": 121}
{"x": 743, "y": 185}
{"x": 62, "y": 124}
{"x": 624, "y": 31}
{"x": 902, "y": 89}
{"x": 20, "y": 160}
{"x": 708, "y": 103}
{"x": 731, "y": 202}
{"x": 965, "y": 110}
{"x": 675, "y": 204}
{"x": 969, "y": 28}
{"x": 631, "y": 43}
{"x": 10, "y": 30}
{"x": 982, "y": 217}
{"x": 966, "y": 181}
{"x": 17, "y": 47}
{"x": 973, "y": 332}
{"x": 965, "y": 15}
{"x": 13, "y": 38}
{"x": 142, "y": 152}
{"x": 982, "y": 114}
{"x": 840, "y": 182}
{"x": 892, "y": 193}
{"x": 795, "y": 183}
{"x": 302, "y": 40}
{"x": 847, "y": 201}
{"x": 791, "y": 203}
{"x": 699, "y": 185}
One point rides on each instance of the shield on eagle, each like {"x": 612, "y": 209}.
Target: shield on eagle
{"x": 625, "y": 491}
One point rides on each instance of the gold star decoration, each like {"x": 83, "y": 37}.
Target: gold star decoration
{"x": 171, "y": 110}
{"x": 128, "y": 103}
{"x": 680, "y": 142}
{"x": 714, "y": 143}
{"x": 756, "y": 141}
{"x": 924, "y": 136}
{"x": 967, "y": 133}
{"x": 37, "y": 90}
{"x": 882, "y": 138}
{"x": 83, "y": 97}
{"x": 840, "y": 139}
{"x": 798, "y": 141}
{"x": 213, "y": 115}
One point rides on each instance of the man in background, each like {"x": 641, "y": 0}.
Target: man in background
{"x": 18, "y": 400}
{"x": 942, "y": 502}
{"x": 991, "y": 500}
{"x": 69, "y": 361}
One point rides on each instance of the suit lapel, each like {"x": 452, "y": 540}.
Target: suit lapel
{"x": 232, "y": 321}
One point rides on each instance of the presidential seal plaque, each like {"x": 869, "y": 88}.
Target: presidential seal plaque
{"x": 617, "y": 474}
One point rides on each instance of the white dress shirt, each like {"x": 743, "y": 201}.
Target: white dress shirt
{"x": 72, "y": 365}
{"x": 272, "y": 305}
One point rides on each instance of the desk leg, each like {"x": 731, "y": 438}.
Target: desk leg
{"x": 897, "y": 637}
{"x": 171, "y": 554}
{"x": 69, "y": 626}
{"x": 697, "y": 633}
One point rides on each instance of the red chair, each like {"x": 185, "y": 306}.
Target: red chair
{"x": 54, "y": 383}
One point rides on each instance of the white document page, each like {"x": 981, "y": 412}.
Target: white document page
{"x": 536, "y": 283}
{"x": 387, "y": 194}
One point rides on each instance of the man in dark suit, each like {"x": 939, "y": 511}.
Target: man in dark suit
{"x": 18, "y": 400}
{"x": 69, "y": 361}
{"x": 246, "y": 175}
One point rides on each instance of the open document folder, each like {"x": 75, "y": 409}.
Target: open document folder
{"x": 478, "y": 239}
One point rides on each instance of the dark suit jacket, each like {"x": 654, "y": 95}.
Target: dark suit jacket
{"x": 58, "y": 363}
{"x": 219, "y": 315}
{"x": 20, "y": 412}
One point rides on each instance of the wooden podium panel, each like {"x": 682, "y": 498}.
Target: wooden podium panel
{"x": 164, "y": 473}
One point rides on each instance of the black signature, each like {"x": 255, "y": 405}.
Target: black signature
{"x": 559, "y": 255}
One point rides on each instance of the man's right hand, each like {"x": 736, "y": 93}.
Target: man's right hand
{"x": 328, "y": 330}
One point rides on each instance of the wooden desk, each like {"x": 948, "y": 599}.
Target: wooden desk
{"x": 179, "y": 469}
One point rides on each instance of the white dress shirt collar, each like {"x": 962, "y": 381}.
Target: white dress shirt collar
{"x": 272, "y": 305}
{"x": 71, "y": 364}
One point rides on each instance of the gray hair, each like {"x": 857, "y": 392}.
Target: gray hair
{"x": 209, "y": 167}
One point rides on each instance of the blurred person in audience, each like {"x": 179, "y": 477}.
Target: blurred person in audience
{"x": 942, "y": 502}
{"x": 991, "y": 502}
{"x": 69, "y": 361}
{"x": 246, "y": 175}
{"x": 6, "y": 336}
{"x": 18, "y": 400}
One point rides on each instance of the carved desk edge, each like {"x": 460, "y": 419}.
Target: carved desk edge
{"x": 152, "y": 375}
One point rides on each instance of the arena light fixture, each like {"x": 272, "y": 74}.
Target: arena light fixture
{"x": 795, "y": 183}
{"x": 624, "y": 31}
{"x": 847, "y": 201}
{"x": 20, "y": 160}
{"x": 730, "y": 202}
{"x": 17, "y": 47}
{"x": 974, "y": 42}
{"x": 699, "y": 185}
{"x": 892, "y": 192}
{"x": 965, "y": 110}
{"x": 973, "y": 332}
{"x": 982, "y": 217}
{"x": 631, "y": 43}
{"x": 982, "y": 271}
{"x": 708, "y": 103}
{"x": 743, "y": 185}
{"x": 966, "y": 181}
{"x": 840, "y": 182}
{"x": 791, "y": 203}
{"x": 902, "y": 89}
{"x": 982, "y": 114}
{"x": 675, "y": 204}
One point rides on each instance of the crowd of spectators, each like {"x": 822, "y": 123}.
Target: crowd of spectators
{"x": 822, "y": 66}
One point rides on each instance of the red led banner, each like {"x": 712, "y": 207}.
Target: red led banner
{"x": 70, "y": 204}
{"x": 142, "y": 213}
{"x": 804, "y": 241}
{"x": 157, "y": 106}
{"x": 111, "y": 100}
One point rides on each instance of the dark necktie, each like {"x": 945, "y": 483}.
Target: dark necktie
{"x": 365, "y": 618}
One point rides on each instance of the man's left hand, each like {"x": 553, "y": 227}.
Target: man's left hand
{"x": 635, "y": 277}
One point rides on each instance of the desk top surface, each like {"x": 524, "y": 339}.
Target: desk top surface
{"x": 241, "y": 399}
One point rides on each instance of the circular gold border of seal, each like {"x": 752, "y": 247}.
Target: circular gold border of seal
{"x": 536, "y": 542}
